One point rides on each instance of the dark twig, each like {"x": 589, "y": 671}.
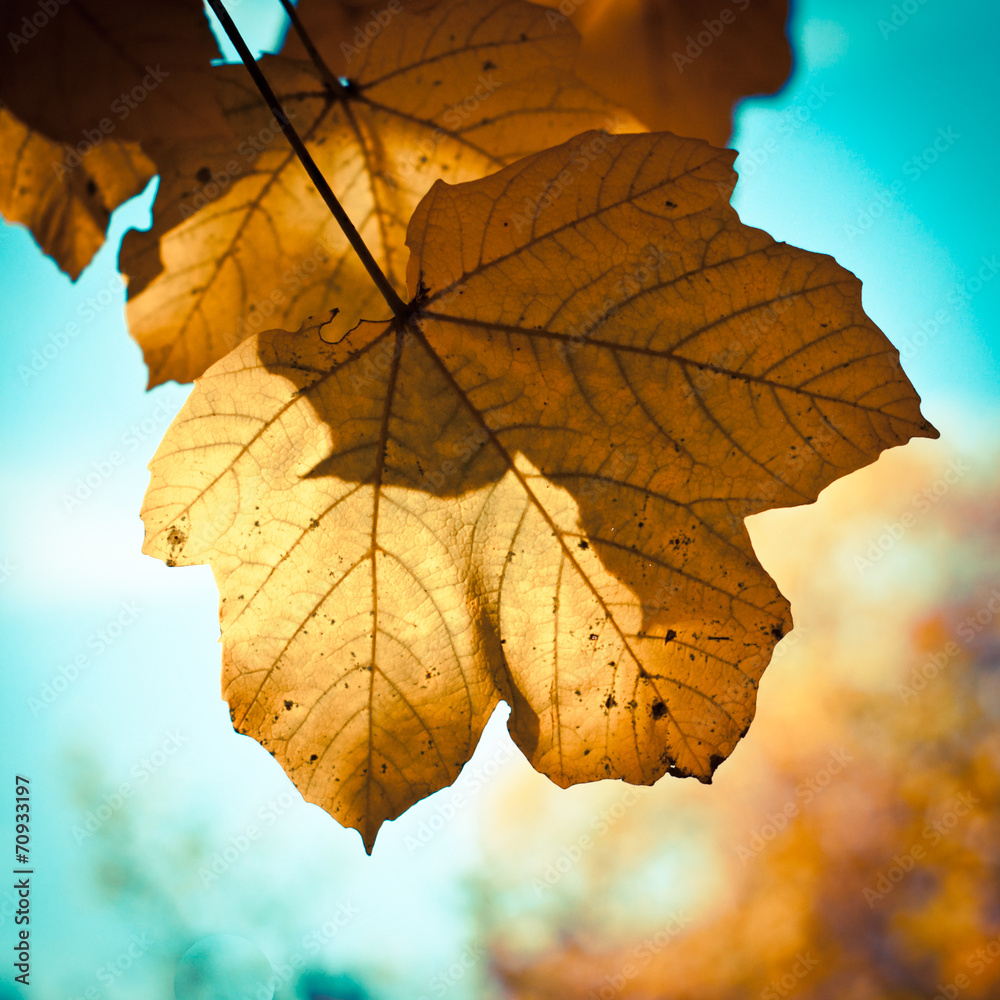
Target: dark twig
{"x": 396, "y": 304}
{"x": 332, "y": 81}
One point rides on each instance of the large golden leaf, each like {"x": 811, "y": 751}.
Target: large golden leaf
{"x": 65, "y": 198}
{"x": 533, "y": 491}
{"x": 241, "y": 240}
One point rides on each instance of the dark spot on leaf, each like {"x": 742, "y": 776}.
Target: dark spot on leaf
{"x": 313, "y": 757}
{"x": 659, "y": 710}
{"x": 777, "y": 631}
{"x": 204, "y": 175}
{"x": 583, "y": 544}
{"x": 671, "y": 634}
{"x": 288, "y": 705}
{"x": 610, "y": 701}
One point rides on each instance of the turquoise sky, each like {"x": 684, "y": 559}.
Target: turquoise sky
{"x": 844, "y": 161}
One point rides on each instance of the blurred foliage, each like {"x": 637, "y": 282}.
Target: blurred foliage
{"x": 856, "y": 834}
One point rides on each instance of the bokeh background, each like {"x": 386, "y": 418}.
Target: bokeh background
{"x": 850, "y": 848}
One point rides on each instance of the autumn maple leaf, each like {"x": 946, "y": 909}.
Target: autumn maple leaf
{"x": 508, "y": 451}
{"x": 67, "y": 209}
{"x": 532, "y": 486}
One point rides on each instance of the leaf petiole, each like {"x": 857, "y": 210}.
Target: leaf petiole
{"x": 307, "y": 43}
{"x": 395, "y": 303}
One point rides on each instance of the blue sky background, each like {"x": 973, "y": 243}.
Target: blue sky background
{"x": 818, "y": 169}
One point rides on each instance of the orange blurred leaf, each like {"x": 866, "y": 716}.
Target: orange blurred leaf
{"x": 681, "y": 64}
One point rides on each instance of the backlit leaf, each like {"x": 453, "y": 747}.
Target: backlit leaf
{"x": 84, "y": 70}
{"x": 535, "y": 491}
{"x": 240, "y": 239}
{"x": 66, "y": 199}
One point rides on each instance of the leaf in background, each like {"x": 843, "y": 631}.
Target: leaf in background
{"x": 109, "y": 68}
{"x": 535, "y": 493}
{"x": 241, "y": 241}
{"x": 66, "y": 199}
{"x": 681, "y": 65}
